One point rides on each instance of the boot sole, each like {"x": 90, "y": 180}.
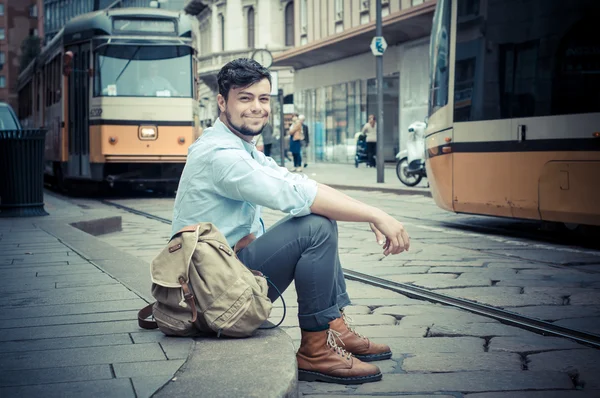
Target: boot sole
{"x": 374, "y": 357}
{"x": 307, "y": 375}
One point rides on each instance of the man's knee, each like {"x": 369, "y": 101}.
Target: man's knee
{"x": 320, "y": 225}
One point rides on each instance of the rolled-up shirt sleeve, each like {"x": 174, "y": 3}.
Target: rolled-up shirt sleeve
{"x": 238, "y": 176}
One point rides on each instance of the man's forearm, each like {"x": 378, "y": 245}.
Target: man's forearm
{"x": 338, "y": 206}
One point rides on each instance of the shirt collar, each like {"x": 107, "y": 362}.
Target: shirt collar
{"x": 221, "y": 127}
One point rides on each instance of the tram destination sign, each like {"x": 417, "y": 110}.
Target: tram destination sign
{"x": 144, "y": 25}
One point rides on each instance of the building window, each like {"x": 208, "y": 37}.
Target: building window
{"x": 222, "y": 27}
{"x": 1, "y": 9}
{"x": 33, "y": 11}
{"x": 2, "y": 57}
{"x": 2, "y": 82}
{"x": 289, "y": 24}
{"x": 303, "y": 17}
{"x": 251, "y": 29}
{"x": 339, "y": 10}
{"x": 2, "y": 35}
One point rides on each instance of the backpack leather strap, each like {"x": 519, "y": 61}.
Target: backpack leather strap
{"x": 143, "y": 316}
{"x": 188, "y": 296}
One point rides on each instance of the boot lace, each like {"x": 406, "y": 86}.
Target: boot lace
{"x": 347, "y": 320}
{"x": 331, "y": 342}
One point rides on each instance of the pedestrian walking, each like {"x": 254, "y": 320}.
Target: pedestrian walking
{"x": 226, "y": 181}
{"x": 306, "y": 140}
{"x": 296, "y": 140}
{"x": 268, "y": 139}
{"x": 370, "y": 132}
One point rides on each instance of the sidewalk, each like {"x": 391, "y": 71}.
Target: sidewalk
{"x": 68, "y": 325}
{"x": 347, "y": 176}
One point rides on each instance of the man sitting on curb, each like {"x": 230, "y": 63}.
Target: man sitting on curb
{"x": 226, "y": 181}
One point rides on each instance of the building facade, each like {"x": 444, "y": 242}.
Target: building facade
{"x": 334, "y": 71}
{"x": 230, "y": 29}
{"x": 18, "y": 20}
{"x": 58, "y": 12}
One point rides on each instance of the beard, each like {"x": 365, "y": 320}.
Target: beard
{"x": 243, "y": 129}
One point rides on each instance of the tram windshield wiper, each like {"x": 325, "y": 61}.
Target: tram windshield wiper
{"x": 128, "y": 62}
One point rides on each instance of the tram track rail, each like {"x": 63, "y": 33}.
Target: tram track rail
{"x": 506, "y": 317}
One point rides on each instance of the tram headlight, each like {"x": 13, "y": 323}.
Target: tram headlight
{"x": 148, "y": 133}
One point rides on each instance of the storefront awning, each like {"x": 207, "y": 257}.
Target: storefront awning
{"x": 406, "y": 25}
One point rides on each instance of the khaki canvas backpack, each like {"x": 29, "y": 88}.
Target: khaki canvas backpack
{"x": 201, "y": 286}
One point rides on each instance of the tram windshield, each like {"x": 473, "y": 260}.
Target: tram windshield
{"x": 143, "y": 71}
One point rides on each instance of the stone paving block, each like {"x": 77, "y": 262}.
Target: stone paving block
{"x": 68, "y": 319}
{"x": 548, "y": 256}
{"x": 476, "y": 329}
{"x": 107, "y": 293}
{"x": 532, "y": 343}
{"x": 537, "y": 394}
{"x": 150, "y": 368}
{"x": 498, "y": 298}
{"x": 371, "y": 396}
{"x": 525, "y": 283}
{"x": 59, "y": 374}
{"x": 115, "y": 388}
{"x": 432, "y": 313}
{"x": 585, "y": 298}
{"x": 149, "y": 336}
{"x": 86, "y": 329}
{"x": 467, "y": 382}
{"x": 73, "y": 309}
{"x": 589, "y": 324}
{"x": 402, "y": 346}
{"x": 10, "y": 285}
{"x": 555, "y": 312}
{"x": 460, "y": 362}
{"x": 176, "y": 348}
{"x": 39, "y": 259}
{"x": 357, "y": 310}
{"x": 385, "y": 331}
{"x": 380, "y": 302}
{"x": 384, "y": 271}
{"x": 145, "y": 386}
{"x": 566, "y": 360}
{"x": 68, "y": 342}
{"x": 81, "y": 356}
{"x": 358, "y": 290}
{"x": 370, "y": 319}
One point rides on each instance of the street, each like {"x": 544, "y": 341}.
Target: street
{"x": 438, "y": 348}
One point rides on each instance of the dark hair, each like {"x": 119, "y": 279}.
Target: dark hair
{"x": 240, "y": 73}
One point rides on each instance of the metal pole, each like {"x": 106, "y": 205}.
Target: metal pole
{"x": 281, "y": 127}
{"x": 379, "y": 66}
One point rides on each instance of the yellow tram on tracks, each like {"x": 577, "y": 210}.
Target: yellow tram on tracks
{"x": 514, "y": 109}
{"x": 116, "y": 90}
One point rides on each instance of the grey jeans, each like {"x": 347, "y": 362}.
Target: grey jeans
{"x": 304, "y": 250}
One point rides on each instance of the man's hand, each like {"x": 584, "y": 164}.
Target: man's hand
{"x": 390, "y": 229}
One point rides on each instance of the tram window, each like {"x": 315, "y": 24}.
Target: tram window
{"x": 439, "y": 57}
{"x": 525, "y": 58}
{"x": 143, "y": 71}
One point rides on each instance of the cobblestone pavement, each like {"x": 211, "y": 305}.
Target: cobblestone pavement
{"x": 437, "y": 349}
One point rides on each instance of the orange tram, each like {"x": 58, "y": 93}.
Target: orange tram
{"x": 116, "y": 90}
{"x": 514, "y": 109}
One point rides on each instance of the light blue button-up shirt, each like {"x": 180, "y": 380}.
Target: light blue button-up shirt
{"x": 226, "y": 181}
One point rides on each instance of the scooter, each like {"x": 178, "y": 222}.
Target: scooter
{"x": 410, "y": 166}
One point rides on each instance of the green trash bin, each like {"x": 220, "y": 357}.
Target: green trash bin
{"x": 22, "y": 173}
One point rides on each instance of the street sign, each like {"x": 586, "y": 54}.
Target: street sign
{"x": 378, "y": 45}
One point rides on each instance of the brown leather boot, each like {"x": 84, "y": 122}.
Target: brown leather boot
{"x": 321, "y": 359}
{"x": 360, "y": 346}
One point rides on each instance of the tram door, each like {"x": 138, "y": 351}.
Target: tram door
{"x": 79, "y": 141}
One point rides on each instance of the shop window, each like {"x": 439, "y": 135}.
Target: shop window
{"x": 2, "y": 34}
{"x": 2, "y": 82}
{"x": 1, "y": 9}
